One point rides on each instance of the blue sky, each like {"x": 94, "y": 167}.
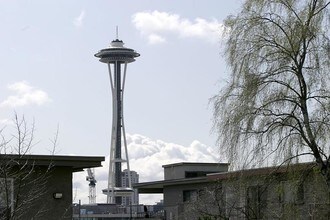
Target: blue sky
{"x": 49, "y": 74}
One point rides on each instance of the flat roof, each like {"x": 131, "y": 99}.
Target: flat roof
{"x": 193, "y": 164}
{"x": 158, "y": 186}
{"x": 78, "y": 163}
{"x": 261, "y": 171}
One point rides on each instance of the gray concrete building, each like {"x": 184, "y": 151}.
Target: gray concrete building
{"x": 195, "y": 191}
{"x": 39, "y": 186}
{"x": 181, "y": 183}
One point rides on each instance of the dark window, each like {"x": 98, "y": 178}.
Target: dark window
{"x": 253, "y": 202}
{"x": 256, "y": 202}
{"x": 189, "y": 195}
{"x": 300, "y": 193}
{"x": 292, "y": 192}
{"x": 192, "y": 174}
{"x": 6, "y": 195}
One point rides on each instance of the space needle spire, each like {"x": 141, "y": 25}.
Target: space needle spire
{"x": 116, "y": 56}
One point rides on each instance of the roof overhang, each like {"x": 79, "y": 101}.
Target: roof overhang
{"x": 261, "y": 171}
{"x": 158, "y": 186}
{"x": 199, "y": 164}
{"x": 77, "y": 163}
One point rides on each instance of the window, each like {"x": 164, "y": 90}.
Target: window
{"x": 256, "y": 201}
{"x": 189, "y": 195}
{"x": 192, "y": 174}
{"x": 292, "y": 192}
{"x": 253, "y": 201}
{"x": 6, "y": 194}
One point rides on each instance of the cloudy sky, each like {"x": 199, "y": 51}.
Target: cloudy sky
{"x": 49, "y": 74}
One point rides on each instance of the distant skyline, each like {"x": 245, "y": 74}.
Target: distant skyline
{"x": 49, "y": 74}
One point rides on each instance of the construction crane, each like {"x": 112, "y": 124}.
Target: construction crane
{"x": 92, "y": 183}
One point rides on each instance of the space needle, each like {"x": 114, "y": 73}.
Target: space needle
{"x": 116, "y": 56}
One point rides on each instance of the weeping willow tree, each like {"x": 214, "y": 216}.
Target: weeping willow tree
{"x": 276, "y": 105}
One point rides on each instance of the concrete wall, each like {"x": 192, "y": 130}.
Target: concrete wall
{"x": 291, "y": 195}
{"x": 35, "y": 194}
{"x": 301, "y": 195}
{"x": 178, "y": 171}
{"x": 173, "y": 198}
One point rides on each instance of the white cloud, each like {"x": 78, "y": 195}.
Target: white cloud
{"x": 156, "y": 39}
{"x": 24, "y": 95}
{"x": 146, "y": 157}
{"x": 156, "y": 25}
{"x": 78, "y": 21}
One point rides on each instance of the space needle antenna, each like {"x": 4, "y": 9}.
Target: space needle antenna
{"x": 117, "y": 32}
